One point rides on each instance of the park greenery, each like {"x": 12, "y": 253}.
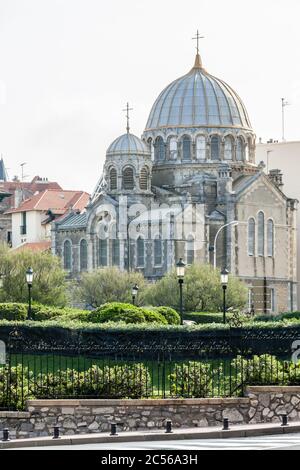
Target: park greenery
{"x": 49, "y": 285}
{"x": 193, "y": 379}
{"x": 105, "y": 295}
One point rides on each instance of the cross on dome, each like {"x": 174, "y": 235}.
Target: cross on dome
{"x": 198, "y": 61}
{"x": 127, "y": 110}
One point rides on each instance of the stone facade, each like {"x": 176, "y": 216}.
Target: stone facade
{"x": 166, "y": 195}
{"x": 261, "y": 405}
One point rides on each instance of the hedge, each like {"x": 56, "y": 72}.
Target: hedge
{"x": 206, "y": 340}
{"x": 110, "y": 312}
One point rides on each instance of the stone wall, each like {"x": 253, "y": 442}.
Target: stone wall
{"x": 267, "y": 404}
{"x": 261, "y": 405}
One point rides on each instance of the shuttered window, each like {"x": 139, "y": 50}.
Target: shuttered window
{"x": 128, "y": 179}
{"x": 144, "y": 179}
{"x": 83, "y": 255}
{"x": 113, "y": 179}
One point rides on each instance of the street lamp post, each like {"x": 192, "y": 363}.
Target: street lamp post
{"x": 134, "y": 293}
{"x": 180, "y": 270}
{"x": 29, "y": 280}
{"x": 234, "y": 223}
{"x": 224, "y": 282}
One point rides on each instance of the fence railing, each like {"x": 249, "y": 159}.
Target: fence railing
{"x": 134, "y": 375}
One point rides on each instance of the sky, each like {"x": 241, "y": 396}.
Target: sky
{"x": 68, "y": 67}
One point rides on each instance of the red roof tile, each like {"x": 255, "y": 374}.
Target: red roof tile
{"x": 37, "y": 246}
{"x": 56, "y": 201}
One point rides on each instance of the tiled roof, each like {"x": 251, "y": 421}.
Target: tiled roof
{"x": 28, "y": 189}
{"x": 37, "y": 246}
{"x": 72, "y": 221}
{"x": 56, "y": 201}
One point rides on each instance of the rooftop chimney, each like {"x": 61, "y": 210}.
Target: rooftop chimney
{"x": 276, "y": 177}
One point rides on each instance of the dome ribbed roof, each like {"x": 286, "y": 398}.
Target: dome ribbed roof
{"x": 128, "y": 144}
{"x": 198, "y": 100}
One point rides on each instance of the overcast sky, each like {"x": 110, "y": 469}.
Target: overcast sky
{"x": 68, "y": 67}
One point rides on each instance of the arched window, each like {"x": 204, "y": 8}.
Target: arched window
{"x": 251, "y": 237}
{"x": 102, "y": 253}
{"x": 144, "y": 179}
{"x": 173, "y": 148}
{"x": 160, "y": 153}
{"x": 270, "y": 238}
{"x": 67, "y": 255}
{"x": 247, "y": 154}
{"x": 113, "y": 179}
{"x": 115, "y": 252}
{"x": 128, "y": 179}
{"x": 215, "y": 148}
{"x": 228, "y": 148}
{"x": 201, "y": 148}
{"x": 240, "y": 150}
{"x": 261, "y": 234}
{"x": 158, "y": 251}
{"x": 190, "y": 250}
{"x": 186, "y": 147}
{"x": 151, "y": 148}
{"x": 83, "y": 255}
{"x": 140, "y": 253}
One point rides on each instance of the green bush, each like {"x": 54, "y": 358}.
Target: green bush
{"x": 266, "y": 370}
{"x": 13, "y": 311}
{"x": 128, "y": 381}
{"x": 119, "y": 312}
{"x": 193, "y": 379}
{"x": 172, "y": 317}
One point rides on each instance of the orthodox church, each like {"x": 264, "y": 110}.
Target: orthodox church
{"x": 189, "y": 188}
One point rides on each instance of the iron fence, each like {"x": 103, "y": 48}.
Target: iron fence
{"x": 103, "y": 374}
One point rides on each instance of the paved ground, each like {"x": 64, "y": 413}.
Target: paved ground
{"x": 282, "y": 442}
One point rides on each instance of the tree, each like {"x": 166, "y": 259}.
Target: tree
{"x": 49, "y": 285}
{"x": 110, "y": 285}
{"x": 201, "y": 289}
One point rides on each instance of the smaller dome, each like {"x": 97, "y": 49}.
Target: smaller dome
{"x": 128, "y": 144}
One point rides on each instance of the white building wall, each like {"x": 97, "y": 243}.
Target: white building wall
{"x": 286, "y": 157}
{"x": 35, "y": 230}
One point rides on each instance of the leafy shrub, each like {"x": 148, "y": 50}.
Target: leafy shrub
{"x": 128, "y": 381}
{"x": 265, "y": 370}
{"x": 172, "y": 317}
{"x": 13, "y": 311}
{"x": 194, "y": 379}
{"x": 118, "y": 312}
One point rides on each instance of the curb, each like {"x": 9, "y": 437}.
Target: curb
{"x": 178, "y": 434}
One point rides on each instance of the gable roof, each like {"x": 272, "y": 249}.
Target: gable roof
{"x": 58, "y": 202}
{"x": 244, "y": 182}
{"x": 72, "y": 221}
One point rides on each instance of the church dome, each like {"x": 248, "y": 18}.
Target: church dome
{"x": 128, "y": 144}
{"x": 198, "y": 99}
